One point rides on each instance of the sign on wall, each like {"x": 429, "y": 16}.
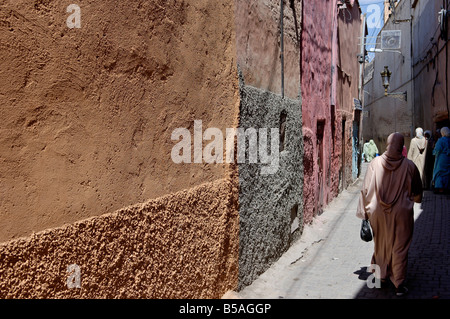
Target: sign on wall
{"x": 391, "y": 39}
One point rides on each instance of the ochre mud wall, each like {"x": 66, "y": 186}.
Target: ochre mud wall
{"x": 87, "y": 114}
{"x": 258, "y": 44}
{"x": 86, "y": 121}
{"x": 183, "y": 245}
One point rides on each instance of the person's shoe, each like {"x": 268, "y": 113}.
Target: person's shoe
{"x": 401, "y": 291}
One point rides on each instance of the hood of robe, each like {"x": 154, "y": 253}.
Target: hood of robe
{"x": 390, "y": 182}
{"x": 393, "y": 158}
{"x": 419, "y": 132}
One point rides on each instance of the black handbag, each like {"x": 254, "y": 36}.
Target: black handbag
{"x": 366, "y": 232}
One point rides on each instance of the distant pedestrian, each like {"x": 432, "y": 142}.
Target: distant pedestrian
{"x": 418, "y": 152}
{"x": 404, "y": 151}
{"x": 366, "y": 144}
{"x": 441, "y": 172}
{"x": 438, "y": 134}
{"x": 370, "y": 150}
{"x": 391, "y": 186}
{"x": 429, "y": 160}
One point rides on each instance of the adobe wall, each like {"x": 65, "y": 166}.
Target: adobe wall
{"x": 258, "y": 45}
{"x": 182, "y": 245}
{"x": 87, "y": 114}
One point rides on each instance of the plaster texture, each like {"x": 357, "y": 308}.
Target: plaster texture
{"x": 316, "y": 59}
{"x": 87, "y": 114}
{"x": 86, "y": 176}
{"x": 258, "y": 44}
{"x": 270, "y": 206}
{"x": 182, "y": 245}
{"x": 329, "y": 83}
{"x": 86, "y": 122}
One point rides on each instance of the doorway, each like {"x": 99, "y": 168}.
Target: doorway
{"x": 320, "y": 165}
{"x": 343, "y": 170}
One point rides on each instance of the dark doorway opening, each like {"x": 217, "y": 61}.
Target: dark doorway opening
{"x": 283, "y": 117}
{"x": 343, "y": 172}
{"x": 320, "y": 165}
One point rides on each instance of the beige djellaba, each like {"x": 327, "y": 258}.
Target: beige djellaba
{"x": 417, "y": 153}
{"x": 391, "y": 186}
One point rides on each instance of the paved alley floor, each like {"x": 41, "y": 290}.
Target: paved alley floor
{"x": 331, "y": 261}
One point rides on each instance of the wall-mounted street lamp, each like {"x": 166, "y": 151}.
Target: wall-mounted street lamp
{"x": 386, "y": 76}
{"x": 376, "y": 50}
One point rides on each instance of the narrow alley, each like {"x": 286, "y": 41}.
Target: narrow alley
{"x": 331, "y": 261}
{"x": 206, "y": 149}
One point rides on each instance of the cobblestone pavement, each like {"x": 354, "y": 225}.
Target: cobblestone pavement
{"x": 331, "y": 261}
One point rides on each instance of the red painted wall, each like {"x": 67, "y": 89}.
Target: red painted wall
{"x": 329, "y": 82}
{"x": 316, "y": 85}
